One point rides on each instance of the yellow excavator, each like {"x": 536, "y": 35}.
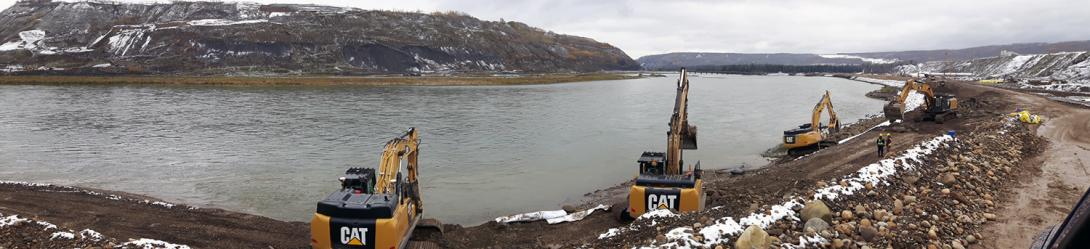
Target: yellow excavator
{"x": 812, "y": 136}
{"x": 661, "y": 183}
{"x": 374, "y": 209}
{"x": 937, "y": 107}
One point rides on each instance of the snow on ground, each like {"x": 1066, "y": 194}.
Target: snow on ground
{"x": 12, "y": 68}
{"x": 876, "y": 173}
{"x": 1061, "y": 87}
{"x": 277, "y": 14}
{"x": 893, "y": 83}
{"x": 30, "y": 37}
{"x": 11, "y": 46}
{"x": 223, "y": 22}
{"x": 62, "y": 235}
{"x": 1079, "y": 70}
{"x": 87, "y": 234}
{"x": 126, "y": 39}
{"x": 11, "y": 220}
{"x": 91, "y": 234}
{"x": 31, "y": 40}
{"x": 869, "y": 60}
{"x": 552, "y": 217}
{"x": 1015, "y": 64}
{"x": 721, "y": 229}
{"x": 658, "y": 213}
{"x": 151, "y": 244}
{"x": 914, "y": 100}
{"x": 864, "y": 132}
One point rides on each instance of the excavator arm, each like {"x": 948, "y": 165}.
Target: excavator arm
{"x": 398, "y": 151}
{"x": 896, "y": 108}
{"x": 682, "y": 136}
{"x": 815, "y": 119}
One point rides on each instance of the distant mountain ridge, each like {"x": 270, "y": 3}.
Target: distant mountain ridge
{"x": 691, "y": 59}
{"x": 246, "y": 38}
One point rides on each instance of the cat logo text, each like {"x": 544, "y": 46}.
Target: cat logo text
{"x": 661, "y": 201}
{"x": 353, "y": 236}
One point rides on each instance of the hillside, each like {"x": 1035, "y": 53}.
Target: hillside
{"x": 980, "y": 52}
{"x": 93, "y": 37}
{"x": 1064, "y": 71}
{"x": 686, "y": 59}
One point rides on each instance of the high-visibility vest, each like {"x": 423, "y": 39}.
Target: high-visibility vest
{"x": 881, "y": 141}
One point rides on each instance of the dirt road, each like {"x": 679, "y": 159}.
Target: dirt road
{"x": 1044, "y": 198}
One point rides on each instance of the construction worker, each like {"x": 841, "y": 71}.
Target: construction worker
{"x": 881, "y": 142}
{"x": 889, "y": 141}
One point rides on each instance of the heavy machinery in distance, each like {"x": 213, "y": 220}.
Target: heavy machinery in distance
{"x": 812, "y": 136}
{"x": 937, "y": 107}
{"x": 661, "y": 183}
{"x": 375, "y": 209}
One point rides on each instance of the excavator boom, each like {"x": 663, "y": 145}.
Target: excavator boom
{"x": 682, "y": 136}
{"x": 402, "y": 149}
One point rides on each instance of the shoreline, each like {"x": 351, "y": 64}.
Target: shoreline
{"x": 467, "y": 80}
{"x": 737, "y": 195}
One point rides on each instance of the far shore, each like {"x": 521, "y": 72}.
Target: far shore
{"x": 467, "y": 80}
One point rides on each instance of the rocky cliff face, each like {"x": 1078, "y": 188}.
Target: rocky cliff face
{"x": 238, "y": 38}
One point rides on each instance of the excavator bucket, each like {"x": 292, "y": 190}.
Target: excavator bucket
{"x": 892, "y": 111}
{"x": 688, "y": 138}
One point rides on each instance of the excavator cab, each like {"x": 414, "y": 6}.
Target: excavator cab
{"x": 944, "y": 107}
{"x": 652, "y": 163}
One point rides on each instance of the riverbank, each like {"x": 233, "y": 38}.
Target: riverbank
{"x": 466, "y": 80}
{"x": 991, "y": 164}
{"x": 50, "y": 216}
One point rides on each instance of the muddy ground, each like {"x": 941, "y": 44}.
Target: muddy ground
{"x": 130, "y": 217}
{"x": 121, "y": 217}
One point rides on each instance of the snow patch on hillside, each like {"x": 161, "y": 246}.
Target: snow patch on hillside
{"x": 223, "y": 22}
{"x": 32, "y": 40}
{"x": 864, "y": 59}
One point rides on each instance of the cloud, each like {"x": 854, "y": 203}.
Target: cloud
{"x": 643, "y": 27}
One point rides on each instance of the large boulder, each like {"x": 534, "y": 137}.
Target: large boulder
{"x": 816, "y": 209}
{"x": 753, "y": 238}
{"x": 815, "y": 224}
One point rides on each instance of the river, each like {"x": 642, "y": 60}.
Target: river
{"x": 486, "y": 151}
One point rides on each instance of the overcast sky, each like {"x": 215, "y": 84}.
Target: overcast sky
{"x": 644, "y": 27}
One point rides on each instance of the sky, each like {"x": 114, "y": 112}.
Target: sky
{"x": 645, "y": 27}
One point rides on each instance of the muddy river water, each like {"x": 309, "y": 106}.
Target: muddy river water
{"x": 486, "y": 150}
